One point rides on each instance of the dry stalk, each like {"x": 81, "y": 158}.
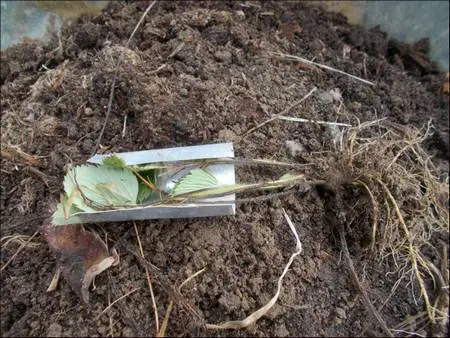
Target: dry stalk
{"x": 18, "y": 239}
{"x": 117, "y": 300}
{"x": 111, "y": 328}
{"x": 149, "y": 280}
{"x": 163, "y": 329}
{"x": 274, "y": 117}
{"x": 308, "y": 62}
{"x": 15, "y": 154}
{"x": 22, "y": 246}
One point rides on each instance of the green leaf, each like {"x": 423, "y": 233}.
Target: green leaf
{"x": 144, "y": 190}
{"x": 114, "y": 161}
{"x": 59, "y": 218}
{"x": 197, "y": 179}
{"x": 101, "y": 185}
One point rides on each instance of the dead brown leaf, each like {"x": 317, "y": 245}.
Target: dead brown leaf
{"x": 80, "y": 254}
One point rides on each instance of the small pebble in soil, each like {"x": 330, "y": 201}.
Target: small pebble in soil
{"x": 336, "y": 94}
{"x": 227, "y": 135}
{"x": 239, "y": 15}
{"x": 54, "y": 330}
{"x": 184, "y": 92}
{"x": 88, "y": 111}
{"x": 87, "y": 145}
{"x": 127, "y": 332}
{"x": 281, "y": 331}
{"x": 72, "y": 131}
{"x": 326, "y": 97}
{"x": 223, "y": 56}
{"x": 341, "y": 313}
{"x": 230, "y": 302}
{"x": 34, "y": 324}
{"x": 294, "y": 147}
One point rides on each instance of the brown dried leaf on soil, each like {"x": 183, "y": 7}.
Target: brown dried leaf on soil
{"x": 80, "y": 254}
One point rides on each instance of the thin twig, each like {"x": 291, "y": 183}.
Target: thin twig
{"x": 374, "y": 213}
{"x": 20, "y": 239}
{"x": 299, "y": 119}
{"x": 274, "y": 117}
{"x": 298, "y": 58}
{"x": 118, "y": 299}
{"x": 18, "y": 251}
{"x": 409, "y": 333}
{"x": 187, "y": 280}
{"x": 162, "y": 331}
{"x": 158, "y": 69}
{"x": 124, "y": 130}
{"x": 165, "y": 322}
{"x": 116, "y": 71}
{"x": 15, "y": 154}
{"x": 39, "y": 174}
{"x": 149, "y": 281}
{"x": 176, "y": 50}
{"x": 111, "y": 329}
{"x": 146, "y": 182}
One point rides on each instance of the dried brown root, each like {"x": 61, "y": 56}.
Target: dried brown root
{"x": 163, "y": 329}
{"x": 414, "y": 256}
{"x": 375, "y": 208}
{"x": 19, "y": 250}
{"x": 39, "y": 174}
{"x": 15, "y": 154}
{"x": 395, "y": 171}
{"x": 274, "y": 117}
{"x": 117, "y": 300}
{"x": 18, "y": 239}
